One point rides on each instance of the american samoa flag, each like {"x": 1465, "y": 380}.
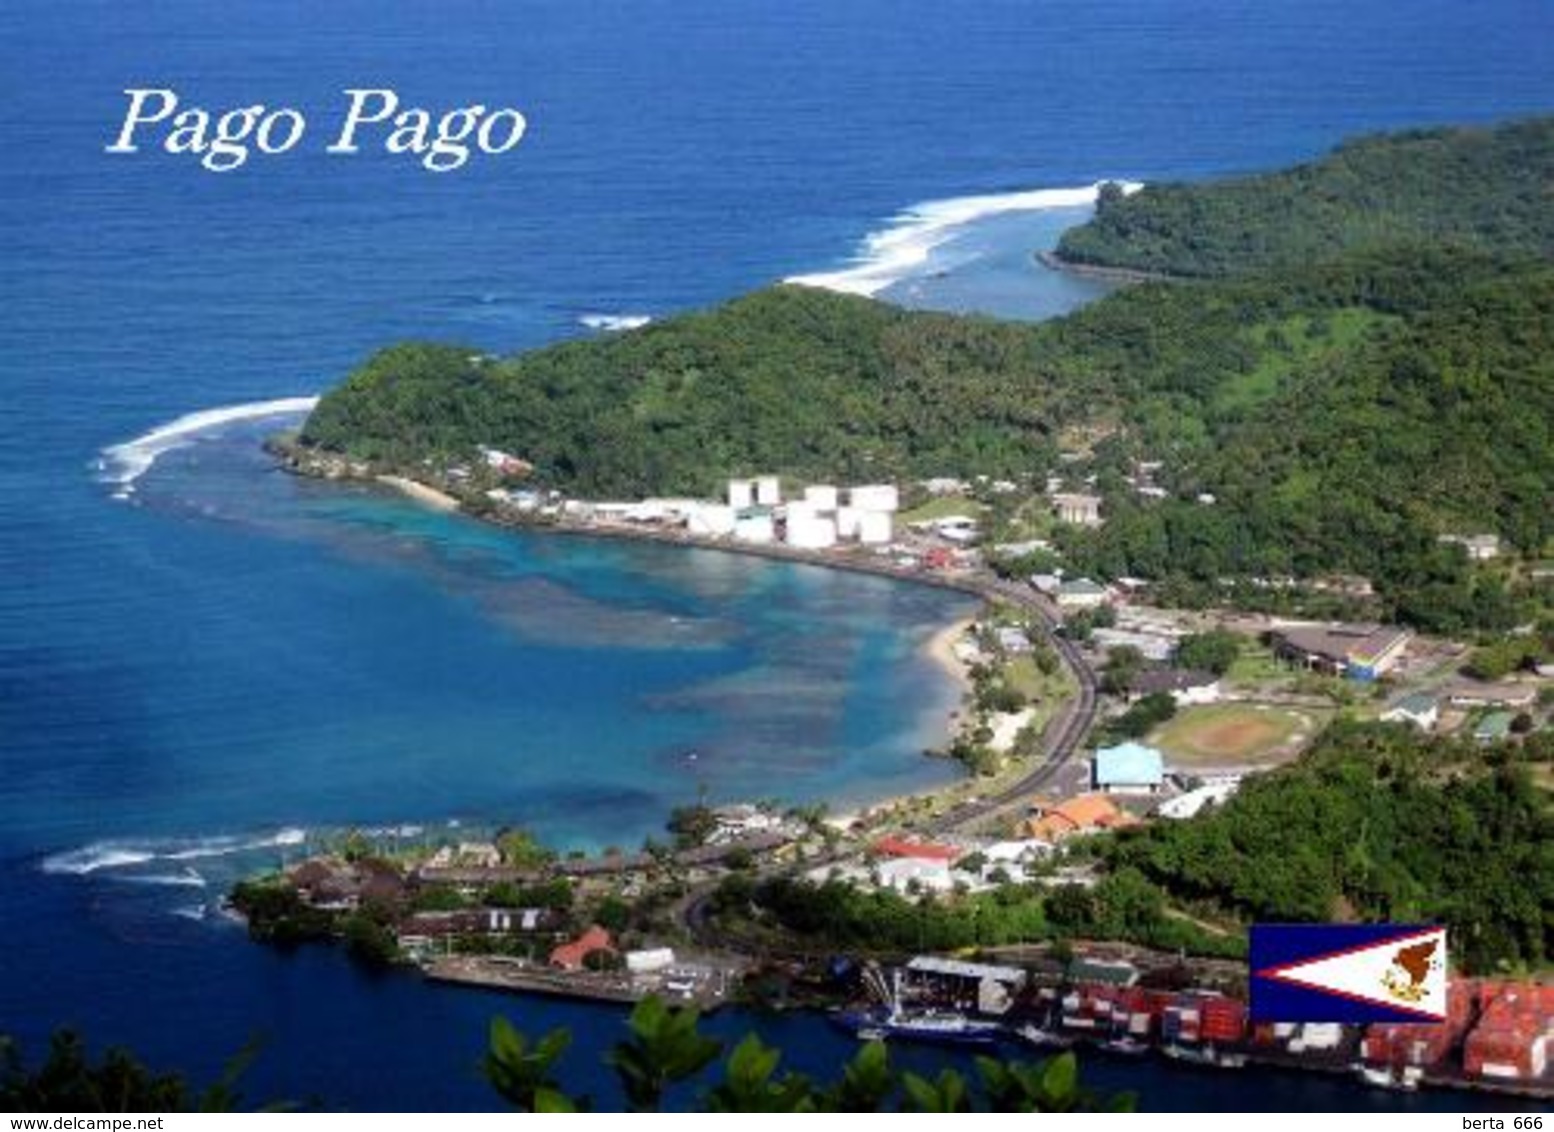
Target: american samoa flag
{"x": 1358, "y": 973}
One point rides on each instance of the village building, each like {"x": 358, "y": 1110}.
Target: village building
{"x": 1493, "y": 727}
{"x": 1081, "y": 593}
{"x": 1420, "y": 709}
{"x": 1479, "y": 548}
{"x": 917, "y": 850}
{"x": 1077, "y": 508}
{"x": 1151, "y": 646}
{"x": 1508, "y": 694}
{"x": 1359, "y": 652}
{"x": 740, "y": 820}
{"x": 1193, "y": 802}
{"x": 1129, "y": 768}
{"x": 573, "y": 956}
{"x": 910, "y": 875}
{"x": 1088, "y": 813}
{"x": 989, "y": 988}
{"x": 1184, "y": 685}
{"x": 1013, "y": 640}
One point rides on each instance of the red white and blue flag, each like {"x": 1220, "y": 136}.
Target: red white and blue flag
{"x": 1357, "y": 973}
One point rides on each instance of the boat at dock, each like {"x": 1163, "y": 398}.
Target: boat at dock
{"x": 1035, "y": 1036}
{"x": 942, "y": 1027}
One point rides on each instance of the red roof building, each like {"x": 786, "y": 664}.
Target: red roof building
{"x": 916, "y": 850}
{"x": 572, "y": 956}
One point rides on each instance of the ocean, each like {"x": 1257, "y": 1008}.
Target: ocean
{"x": 204, "y": 663}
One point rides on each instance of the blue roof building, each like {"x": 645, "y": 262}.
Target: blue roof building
{"x": 1129, "y": 768}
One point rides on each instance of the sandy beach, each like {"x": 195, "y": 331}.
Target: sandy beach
{"x": 430, "y": 496}
{"x": 941, "y": 649}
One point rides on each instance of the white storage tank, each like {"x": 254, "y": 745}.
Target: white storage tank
{"x": 875, "y": 497}
{"x": 821, "y": 496}
{"x": 768, "y": 491}
{"x": 755, "y": 526}
{"x": 875, "y": 527}
{"x": 808, "y": 531}
{"x": 711, "y": 519}
{"x": 741, "y": 493}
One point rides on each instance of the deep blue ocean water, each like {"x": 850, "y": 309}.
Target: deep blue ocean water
{"x": 229, "y": 655}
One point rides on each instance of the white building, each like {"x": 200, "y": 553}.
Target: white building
{"x": 711, "y": 519}
{"x": 755, "y": 527}
{"x": 768, "y": 491}
{"x": 875, "y": 497}
{"x": 849, "y": 519}
{"x": 741, "y": 494}
{"x": 807, "y": 529}
{"x": 822, "y": 496}
{"x": 649, "y": 960}
{"x": 1189, "y": 804}
{"x": 1081, "y": 593}
{"x": 956, "y": 528}
{"x": 875, "y": 527}
{"x": 1418, "y": 708}
{"x": 905, "y": 874}
{"x": 1082, "y": 510}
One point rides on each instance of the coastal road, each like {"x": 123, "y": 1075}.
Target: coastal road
{"x": 1057, "y": 772}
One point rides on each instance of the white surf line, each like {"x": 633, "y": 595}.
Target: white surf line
{"x": 614, "y": 322}
{"x": 123, "y": 464}
{"x": 892, "y": 253}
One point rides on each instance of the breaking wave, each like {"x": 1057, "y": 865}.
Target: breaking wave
{"x": 123, "y": 464}
{"x": 614, "y": 322}
{"x": 116, "y": 855}
{"x": 894, "y": 252}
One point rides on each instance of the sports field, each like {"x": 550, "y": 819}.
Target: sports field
{"x": 1241, "y": 734}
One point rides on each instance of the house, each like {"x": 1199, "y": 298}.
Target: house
{"x": 1129, "y": 768}
{"x": 1508, "y": 694}
{"x": 1184, "y": 685}
{"x": 1359, "y": 652}
{"x": 1081, "y": 593}
{"x": 1191, "y": 803}
{"x": 956, "y": 528}
{"x": 737, "y": 822}
{"x": 1013, "y": 640}
{"x": 649, "y": 960}
{"x": 1108, "y": 972}
{"x": 327, "y": 884}
{"x": 1074, "y": 817}
{"x": 1479, "y": 548}
{"x": 911, "y": 874}
{"x": 479, "y": 854}
{"x": 573, "y": 956}
{"x": 1151, "y": 646}
{"x": 917, "y": 850}
{"x": 1081, "y": 510}
{"x": 1494, "y": 726}
{"x": 1418, "y": 708}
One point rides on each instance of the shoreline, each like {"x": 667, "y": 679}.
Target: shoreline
{"x": 422, "y": 493}
{"x": 1050, "y": 259}
{"x": 964, "y": 800}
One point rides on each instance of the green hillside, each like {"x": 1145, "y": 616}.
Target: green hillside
{"x": 1342, "y": 413}
{"x": 1485, "y": 188}
{"x": 1377, "y": 823}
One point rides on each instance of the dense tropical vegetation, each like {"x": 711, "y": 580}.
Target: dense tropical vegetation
{"x": 1343, "y": 417}
{"x": 1377, "y": 822}
{"x": 1480, "y": 187}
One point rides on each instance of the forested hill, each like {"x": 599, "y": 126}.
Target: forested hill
{"x": 1484, "y": 188}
